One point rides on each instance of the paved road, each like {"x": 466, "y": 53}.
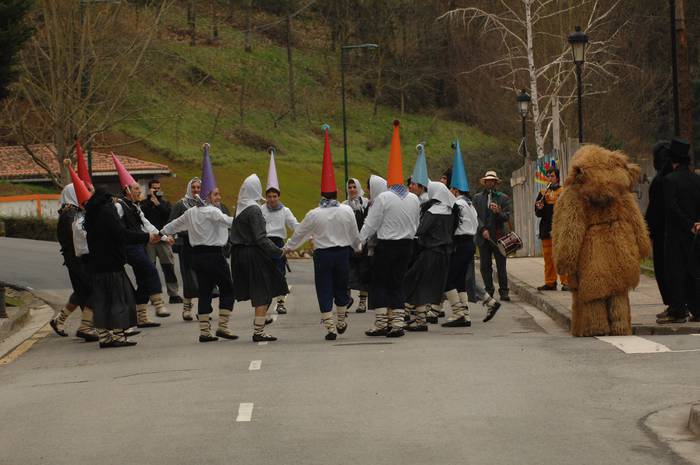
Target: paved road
{"x": 513, "y": 391}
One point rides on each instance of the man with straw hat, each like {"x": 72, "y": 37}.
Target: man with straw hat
{"x": 493, "y": 209}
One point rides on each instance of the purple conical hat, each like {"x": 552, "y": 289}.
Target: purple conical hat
{"x": 208, "y": 179}
{"x": 272, "y": 182}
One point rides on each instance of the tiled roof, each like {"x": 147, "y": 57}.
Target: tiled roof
{"x": 15, "y": 163}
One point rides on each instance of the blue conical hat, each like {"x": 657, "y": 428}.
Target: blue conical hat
{"x": 459, "y": 174}
{"x": 420, "y": 170}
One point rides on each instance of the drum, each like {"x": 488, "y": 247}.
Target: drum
{"x": 509, "y": 244}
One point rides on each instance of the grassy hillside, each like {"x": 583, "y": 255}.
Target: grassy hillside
{"x": 189, "y": 95}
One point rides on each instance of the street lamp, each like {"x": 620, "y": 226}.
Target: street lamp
{"x": 343, "y": 49}
{"x": 579, "y": 41}
{"x": 524, "y": 100}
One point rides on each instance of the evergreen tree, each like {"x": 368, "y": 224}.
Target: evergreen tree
{"x": 13, "y": 33}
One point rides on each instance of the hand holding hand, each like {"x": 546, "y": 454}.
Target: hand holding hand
{"x": 153, "y": 239}
{"x": 485, "y": 234}
{"x": 169, "y": 240}
{"x": 696, "y": 228}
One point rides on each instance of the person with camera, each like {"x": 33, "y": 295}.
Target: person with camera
{"x": 156, "y": 209}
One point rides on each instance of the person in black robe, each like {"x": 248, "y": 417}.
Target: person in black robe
{"x": 656, "y": 216}
{"x": 255, "y": 275}
{"x": 112, "y": 299}
{"x": 682, "y": 251}
{"x": 77, "y": 272}
{"x": 359, "y": 262}
{"x": 426, "y": 279}
{"x": 183, "y": 247}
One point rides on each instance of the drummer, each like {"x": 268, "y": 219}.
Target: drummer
{"x": 493, "y": 209}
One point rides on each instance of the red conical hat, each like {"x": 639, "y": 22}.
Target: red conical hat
{"x": 125, "y": 179}
{"x": 327, "y": 174}
{"x": 81, "y": 192}
{"x": 395, "y": 171}
{"x": 83, "y": 171}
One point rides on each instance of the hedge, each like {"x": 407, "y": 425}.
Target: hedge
{"x": 30, "y": 228}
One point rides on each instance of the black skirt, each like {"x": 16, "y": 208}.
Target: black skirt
{"x": 255, "y": 276}
{"x": 425, "y": 280}
{"x": 360, "y": 272}
{"x": 390, "y": 264}
{"x": 80, "y": 280}
{"x": 112, "y": 301}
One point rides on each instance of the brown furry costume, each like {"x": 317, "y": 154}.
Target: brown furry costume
{"x": 599, "y": 237}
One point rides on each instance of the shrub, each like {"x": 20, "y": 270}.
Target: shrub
{"x": 30, "y": 228}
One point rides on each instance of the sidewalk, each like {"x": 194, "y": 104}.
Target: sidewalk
{"x": 526, "y": 274}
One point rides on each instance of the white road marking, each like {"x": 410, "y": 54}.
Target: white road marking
{"x": 262, "y": 343}
{"x": 255, "y": 365}
{"x": 635, "y": 344}
{"x": 245, "y": 411}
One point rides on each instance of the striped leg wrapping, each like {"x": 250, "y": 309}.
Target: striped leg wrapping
{"x": 204, "y": 325}
{"x": 328, "y": 322}
{"x": 421, "y": 315}
{"x": 63, "y": 316}
{"x": 381, "y": 319}
{"x": 86, "y": 321}
{"x": 159, "y": 304}
{"x": 259, "y": 325}
{"x": 397, "y": 318}
{"x": 105, "y": 335}
{"x": 224, "y": 316}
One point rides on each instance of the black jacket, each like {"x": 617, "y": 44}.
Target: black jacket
{"x": 107, "y": 236}
{"x": 496, "y": 224}
{"x": 158, "y": 215}
{"x": 64, "y": 229}
{"x": 546, "y": 213}
{"x": 682, "y": 200}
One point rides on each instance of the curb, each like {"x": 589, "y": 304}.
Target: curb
{"x": 16, "y": 318}
{"x": 694, "y": 419}
{"x": 560, "y": 314}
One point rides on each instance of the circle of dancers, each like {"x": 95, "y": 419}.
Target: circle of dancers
{"x": 405, "y": 246}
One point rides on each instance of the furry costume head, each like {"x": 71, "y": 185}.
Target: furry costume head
{"x": 600, "y": 176}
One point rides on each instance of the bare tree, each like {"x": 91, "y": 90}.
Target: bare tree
{"x": 76, "y": 72}
{"x": 526, "y": 30}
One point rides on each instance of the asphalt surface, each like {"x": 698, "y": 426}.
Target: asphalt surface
{"x": 515, "y": 390}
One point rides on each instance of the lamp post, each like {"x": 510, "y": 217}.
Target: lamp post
{"x": 524, "y": 100}
{"x": 579, "y": 41}
{"x": 343, "y": 49}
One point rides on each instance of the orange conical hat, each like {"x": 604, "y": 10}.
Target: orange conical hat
{"x": 81, "y": 192}
{"x": 395, "y": 171}
{"x": 83, "y": 171}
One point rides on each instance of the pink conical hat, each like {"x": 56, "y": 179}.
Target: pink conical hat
{"x": 272, "y": 182}
{"x": 125, "y": 179}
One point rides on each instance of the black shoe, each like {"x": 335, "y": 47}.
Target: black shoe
{"x": 441, "y": 314}
{"x": 505, "y": 298}
{"x": 131, "y": 333}
{"x": 433, "y": 320}
{"x": 87, "y": 336}
{"x": 207, "y": 338}
{"x": 663, "y": 314}
{"x": 565, "y": 288}
{"x": 175, "y": 299}
{"x": 60, "y": 332}
{"x": 377, "y": 332}
{"x": 460, "y": 322}
{"x": 187, "y": 316}
{"x": 281, "y": 309}
{"x": 331, "y": 337}
{"x": 492, "y": 311}
{"x": 416, "y": 328}
{"x": 113, "y": 343}
{"x": 395, "y": 332}
{"x": 263, "y": 338}
{"x": 225, "y": 335}
{"x": 148, "y": 324}
{"x": 694, "y": 319}
{"x": 341, "y": 329}
{"x": 269, "y": 320}
{"x": 547, "y": 287}
{"x": 670, "y": 319}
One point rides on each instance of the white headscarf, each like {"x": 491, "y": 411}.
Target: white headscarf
{"x": 438, "y": 191}
{"x": 359, "y": 202}
{"x": 377, "y": 185}
{"x": 250, "y": 193}
{"x": 358, "y": 184}
{"x": 68, "y": 196}
{"x": 191, "y": 200}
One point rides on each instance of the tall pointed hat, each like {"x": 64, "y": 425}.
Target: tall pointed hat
{"x": 208, "y": 179}
{"x": 459, "y": 174}
{"x": 328, "y": 185}
{"x": 272, "y": 182}
{"x": 83, "y": 171}
{"x": 82, "y": 193}
{"x": 395, "y": 170}
{"x": 125, "y": 179}
{"x": 420, "y": 170}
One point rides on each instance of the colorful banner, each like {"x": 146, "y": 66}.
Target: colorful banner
{"x": 543, "y": 164}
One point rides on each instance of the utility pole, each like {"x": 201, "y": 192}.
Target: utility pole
{"x": 685, "y": 104}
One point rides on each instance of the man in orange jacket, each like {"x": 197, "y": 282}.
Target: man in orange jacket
{"x": 544, "y": 209}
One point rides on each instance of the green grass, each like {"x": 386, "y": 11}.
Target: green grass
{"x": 177, "y": 116}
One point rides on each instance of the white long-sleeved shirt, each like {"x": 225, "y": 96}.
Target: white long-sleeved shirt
{"x": 204, "y": 225}
{"x": 470, "y": 220}
{"x": 392, "y": 218}
{"x": 277, "y": 221}
{"x": 146, "y": 225}
{"x": 329, "y": 227}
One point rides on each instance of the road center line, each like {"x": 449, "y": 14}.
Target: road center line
{"x": 634, "y": 344}
{"x": 245, "y": 411}
{"x": 255, "y": 365}
{"x": 262, "y": 343}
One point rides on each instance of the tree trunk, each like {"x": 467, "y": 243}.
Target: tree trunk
{"x": 290, "y": 67}
{"x": 231, "y": 10}
{"x": 556, "y": 126}
{"x": 214, "y": 21}
{"x": 248, "y": 25}
{"x": 192, "y": 15}
{"x": 684, "y": 88}
{"x": 537, "y": 117}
